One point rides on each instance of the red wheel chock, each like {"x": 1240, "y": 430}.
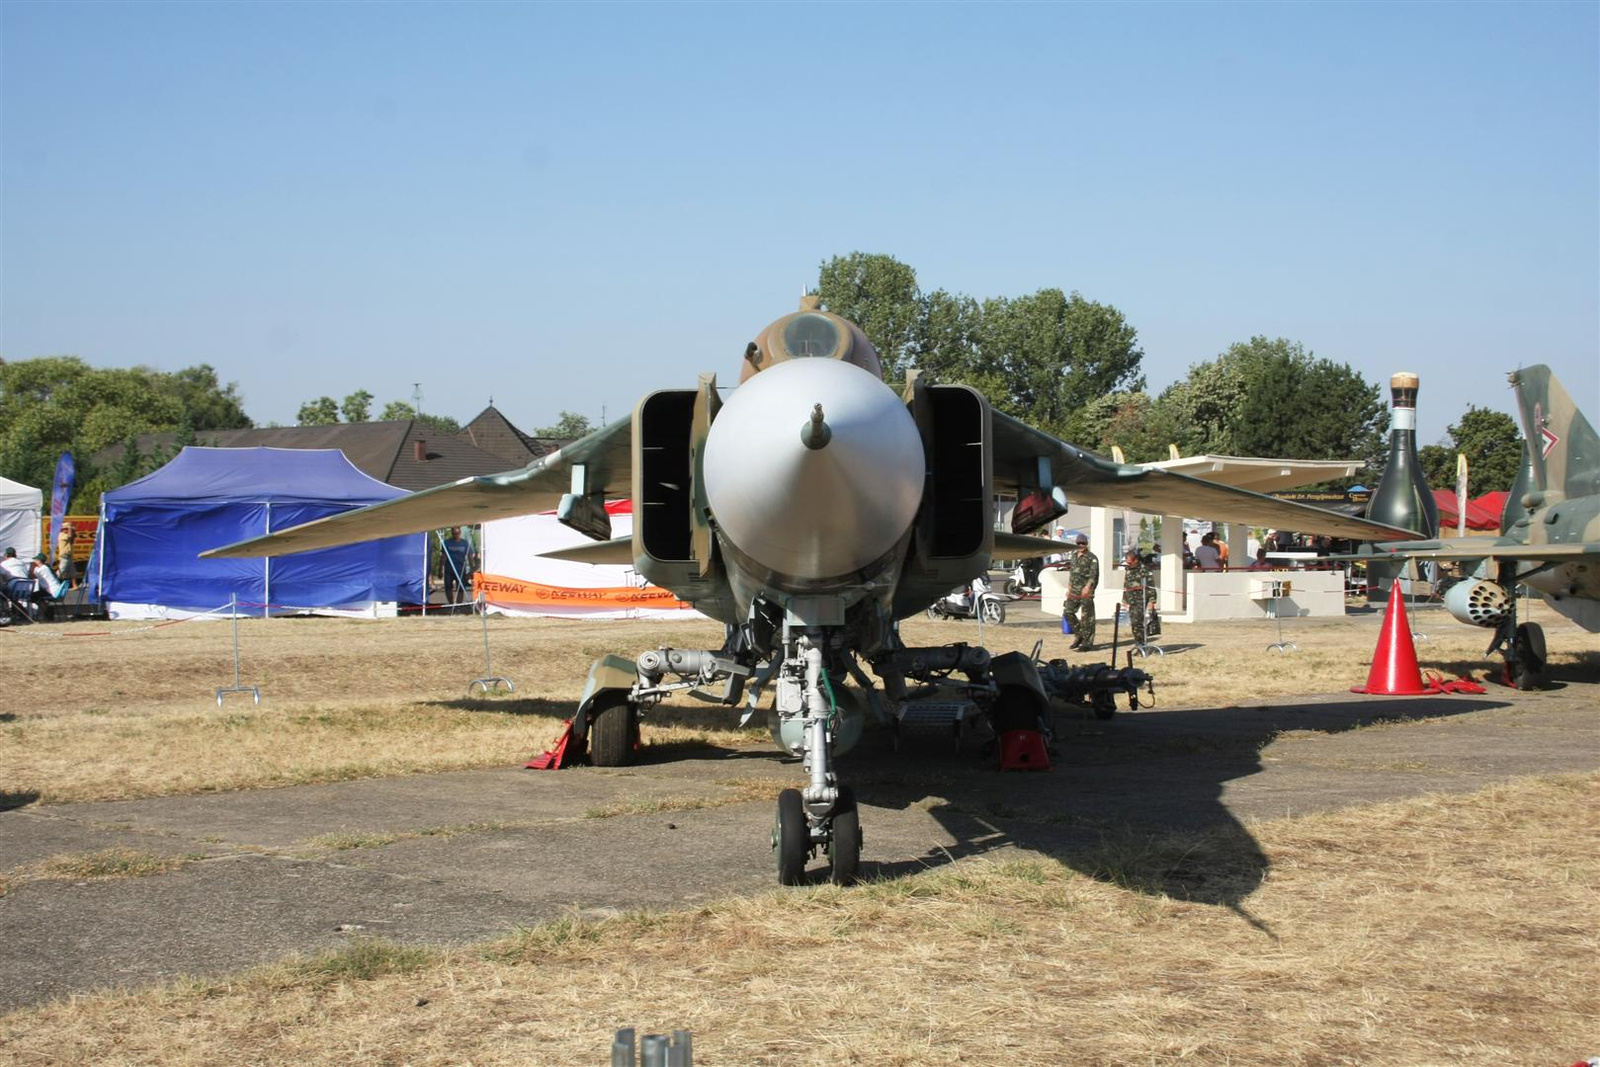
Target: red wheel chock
{"x": 555, "y": 756}
{"x": 1023, "y": 750}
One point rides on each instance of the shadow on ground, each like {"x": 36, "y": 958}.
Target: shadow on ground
{"x": 1135, "y": 801}
{"x": 10, "y": 801}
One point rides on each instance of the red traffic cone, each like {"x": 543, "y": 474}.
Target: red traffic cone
{"x": 1394, "y": 662}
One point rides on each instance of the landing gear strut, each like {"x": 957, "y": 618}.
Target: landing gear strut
{"x": 822, "y": 816}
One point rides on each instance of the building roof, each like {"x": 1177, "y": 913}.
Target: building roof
{"x": 404, "y": 453}
{"x": 492, "y": 432}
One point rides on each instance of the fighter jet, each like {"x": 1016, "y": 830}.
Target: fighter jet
{"x": 809, "y": 511}
{"x": 1549, "y": 533}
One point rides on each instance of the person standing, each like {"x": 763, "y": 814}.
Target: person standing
{"x": 1207, "y": 555}
{"x": 1083, "y": 576}
{"x": 456, "y": 564}
{"x": 66, "y": 565}
{"x": 1136, "y": 589}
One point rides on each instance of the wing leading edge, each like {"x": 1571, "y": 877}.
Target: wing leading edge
{"x": 606, "y": 455}
{"x": 1470, "y": 548}
{"x": 1091, "y": 479}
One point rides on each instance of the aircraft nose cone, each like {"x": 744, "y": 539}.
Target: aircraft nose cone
{"x": 806, "y": 507}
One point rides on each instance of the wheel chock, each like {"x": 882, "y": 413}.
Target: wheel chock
{"x": 1023, "y": 750}
{"x": 553, "y": 758}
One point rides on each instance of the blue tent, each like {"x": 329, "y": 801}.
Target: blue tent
{"x": 153, "y": 530}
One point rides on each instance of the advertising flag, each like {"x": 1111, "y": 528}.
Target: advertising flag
{"x": 60, "y": 496}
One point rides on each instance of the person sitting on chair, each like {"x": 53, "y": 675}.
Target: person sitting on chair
{"x": 17, "y": 574}
{"x": 39, "y": 570}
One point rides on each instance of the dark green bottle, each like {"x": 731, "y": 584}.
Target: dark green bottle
{"x": 1402, "y": 498}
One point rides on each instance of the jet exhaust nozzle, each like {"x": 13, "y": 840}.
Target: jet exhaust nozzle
{"x": 815, "y": 433}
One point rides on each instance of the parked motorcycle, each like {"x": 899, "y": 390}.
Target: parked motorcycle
{"x": 1024, "y": 578}
{"x": 970, "y": 602}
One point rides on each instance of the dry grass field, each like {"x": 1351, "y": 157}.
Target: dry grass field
{"x": 1454, "y": 930}
{"x": 349, "y": 699}
{"x": 1435, "y": 930}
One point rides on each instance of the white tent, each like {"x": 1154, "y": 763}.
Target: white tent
{"x": 517, "y": 581}
{"x": 20, "y": 506}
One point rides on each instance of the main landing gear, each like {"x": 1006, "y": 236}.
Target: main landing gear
{"x": 1522, "y": 644}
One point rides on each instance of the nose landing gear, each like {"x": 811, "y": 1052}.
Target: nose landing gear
{"x": 796, "y": 837}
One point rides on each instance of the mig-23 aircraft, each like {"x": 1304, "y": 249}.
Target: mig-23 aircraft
{"x": 808, "y": 511}
{"x": 1549, "y": 533}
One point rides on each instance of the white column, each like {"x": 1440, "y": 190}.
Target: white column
{"x": 1172, "y": 565}
{"x": 1239, "y": 546}
{"x": 1106, "y": 598}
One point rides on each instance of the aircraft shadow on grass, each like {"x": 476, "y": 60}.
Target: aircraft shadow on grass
{"x": 1135, "y": 802}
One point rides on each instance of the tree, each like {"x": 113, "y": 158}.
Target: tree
{"x": 948, "y": 334}
{"x": 54, "y": 404}
{"x": 568, "y": 427}
{"x": 397, "y": 410}
{"x": 879, "y": 294}
{"x": 1271, "y": 397}
{"x": 1137, "y": 423}
{"x": 1045, "y": 357}
{"x": 1042, "y": 358}
{"x": 210, "y": 405}
{"x": 1492, "y": 444}
{"x": 1300, "y": 407}
{"x": 323, "y": 411}
{"x": 357, "y": 407}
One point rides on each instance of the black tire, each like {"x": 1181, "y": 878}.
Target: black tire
{"x": 1104, "y": 704}
{"x": 791, "y": 838}
{"x": 993, "y": 611}
{"x": 844, "y": 851}
{"x": 613, "y": 729}
{"x": 1530, "y": 649}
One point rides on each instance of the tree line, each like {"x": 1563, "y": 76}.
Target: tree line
{"x": 1072, "y": 366}
{"x": 1056, "y": 360}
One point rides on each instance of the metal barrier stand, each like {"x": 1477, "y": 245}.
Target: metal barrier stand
{"x": 254, "y": 691}
{"x": 490, "y": 682}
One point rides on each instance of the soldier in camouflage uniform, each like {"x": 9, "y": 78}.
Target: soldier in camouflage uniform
{"x": 1136, "y": 590}
{"x": 1083, "y": 575}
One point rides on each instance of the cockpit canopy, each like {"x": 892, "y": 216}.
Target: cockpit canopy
{"x": 810, "y": 333}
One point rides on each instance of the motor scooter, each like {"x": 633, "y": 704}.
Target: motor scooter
{"x": 975, "y": 601}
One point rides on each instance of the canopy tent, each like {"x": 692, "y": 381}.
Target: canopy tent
{"x": 147, "y": 564}
{"x": 1482, "y": 513}
{"x": 20, "y": 506}
{"x": 517, "y": 581}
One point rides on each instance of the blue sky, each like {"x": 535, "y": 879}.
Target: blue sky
{"x": 565, "y": 206}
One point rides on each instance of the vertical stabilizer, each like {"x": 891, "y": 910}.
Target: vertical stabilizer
{"x": 1563, "y": 450}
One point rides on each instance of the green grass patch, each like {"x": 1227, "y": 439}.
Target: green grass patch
{"x": 108, "y": 863}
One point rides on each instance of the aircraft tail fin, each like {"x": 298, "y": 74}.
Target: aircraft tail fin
{"x": 1563, "y": 449}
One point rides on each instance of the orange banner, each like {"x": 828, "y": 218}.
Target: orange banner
{"x": 515, "y": 592}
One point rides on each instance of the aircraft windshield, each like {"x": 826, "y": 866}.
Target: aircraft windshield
{"x": 811, "y": 335}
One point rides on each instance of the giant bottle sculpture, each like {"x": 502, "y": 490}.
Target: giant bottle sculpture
{"x": 1402, "y": 497}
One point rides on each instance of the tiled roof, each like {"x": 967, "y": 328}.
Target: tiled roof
{"x": 493, "y": 432}
{"x": 385, "y": 450}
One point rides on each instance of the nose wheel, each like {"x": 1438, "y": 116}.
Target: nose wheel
{"x": 839, "y": 835}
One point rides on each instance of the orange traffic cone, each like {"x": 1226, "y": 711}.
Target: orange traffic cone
{"x": 1394, "y": 662}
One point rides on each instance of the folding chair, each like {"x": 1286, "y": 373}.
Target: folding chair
{"x": 19, "y": 599}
